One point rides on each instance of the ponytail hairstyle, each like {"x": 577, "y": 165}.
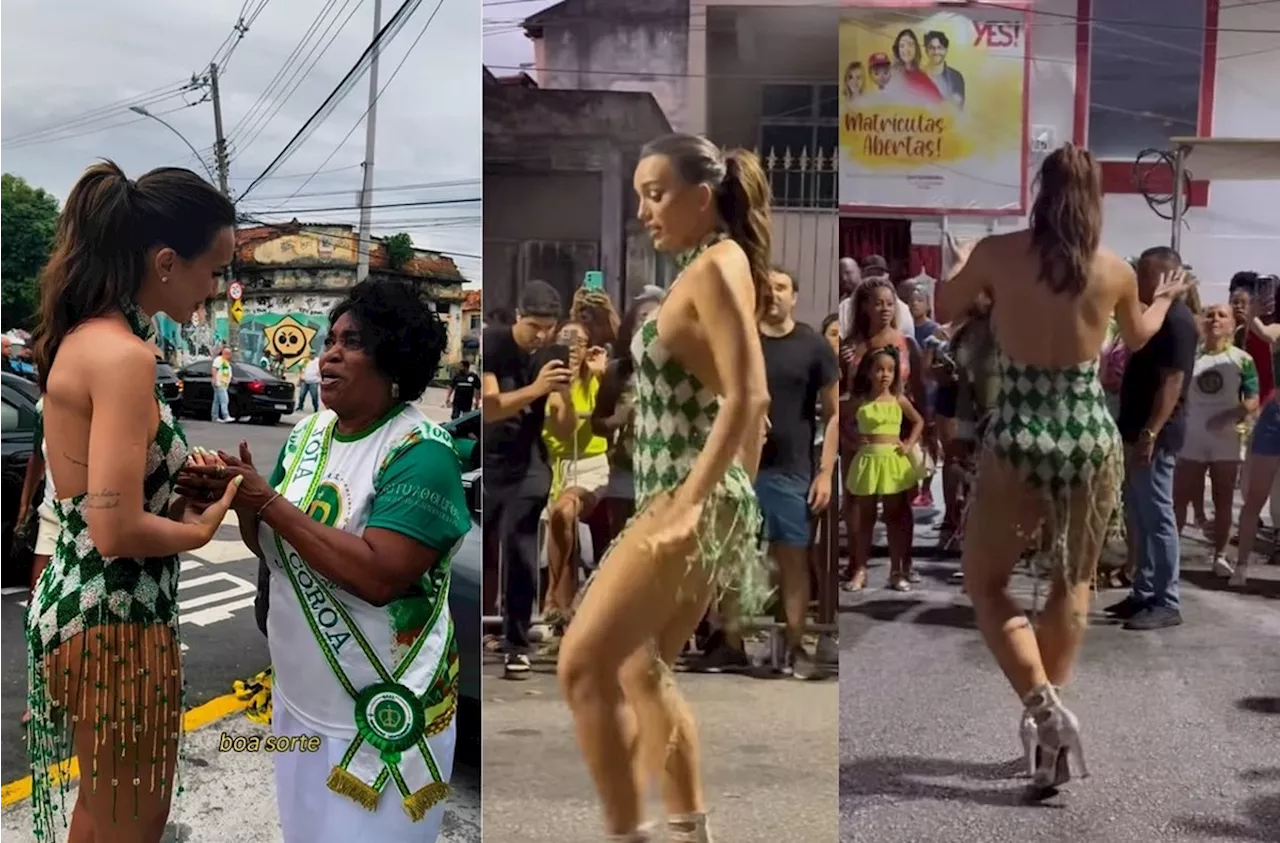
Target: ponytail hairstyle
{"x": 862, "y": 377}
{"x": 1066, "y": 218}
{"x": 106, "y": 233}
{"x": 742, "y": 192}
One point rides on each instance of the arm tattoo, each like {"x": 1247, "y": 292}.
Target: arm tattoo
{"x": 75, "y": 461}
{"x": 105, "y": 499}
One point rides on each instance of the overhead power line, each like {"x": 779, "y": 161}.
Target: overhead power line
{"x": 383, "y": 189}
{"x": 381, "y": 90}
{"x": 430, "y": 203}
{"x": 291, "y": 73}
{"x": 105, "y": 112}
{"x": 301, "y": 175}
{"x": 299, "y": 76}
{"x": 246, "y": 18}
{"x": 260, "y": 102}
{"x": 344, "y": 87}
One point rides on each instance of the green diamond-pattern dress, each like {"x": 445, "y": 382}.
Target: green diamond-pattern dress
{"x": 1052, "y": 424}
{"x": 674, "y": 412}
{"x": 82, "y": 591}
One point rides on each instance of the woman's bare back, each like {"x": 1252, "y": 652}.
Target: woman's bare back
{"x": 1037, "y": 326}
{"x": 68, "y": 407}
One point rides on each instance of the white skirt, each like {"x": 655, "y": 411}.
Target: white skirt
{"x": 312, "y": 813}
{"x": 47, "y": 536}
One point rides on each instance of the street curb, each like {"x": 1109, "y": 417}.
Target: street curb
{"x": 68, "y": 771}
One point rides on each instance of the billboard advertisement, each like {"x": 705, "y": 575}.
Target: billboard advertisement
{"x": 933, "y": 110}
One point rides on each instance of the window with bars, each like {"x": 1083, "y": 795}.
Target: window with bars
{"x": 799, "y": 143}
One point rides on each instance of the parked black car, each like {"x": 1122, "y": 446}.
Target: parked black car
{"x": 167, "y": 380}
{"x": 17, "y": 438}
{"x": 254, "y": 393}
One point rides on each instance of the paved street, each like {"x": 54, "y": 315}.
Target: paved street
{"x": 769, "y": 760}
{"x": 1180, "y": 725}
{"x": 221, "y": 642}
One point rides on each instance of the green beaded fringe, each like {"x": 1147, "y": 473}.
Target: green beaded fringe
{"x": 50, "y": 730}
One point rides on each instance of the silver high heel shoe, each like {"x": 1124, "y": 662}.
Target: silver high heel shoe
{"x": 1057, "y": 739}
{"x": 1027, "y": 731}
{"x": 688, "y": 828}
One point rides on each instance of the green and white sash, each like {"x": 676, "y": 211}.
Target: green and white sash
{"x": 396, "y": 707}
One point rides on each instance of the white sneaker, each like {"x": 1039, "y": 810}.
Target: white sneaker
{"x": 1222, "y": 567}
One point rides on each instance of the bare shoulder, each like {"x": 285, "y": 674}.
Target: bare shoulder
{"x": 998, "y": 246}
{"x": 111, "y": 350}
{"x": 724, "y": 270}
{"x": 1115, "y": 272}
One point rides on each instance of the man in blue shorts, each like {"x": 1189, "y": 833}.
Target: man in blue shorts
{"x": 793, "y": 486}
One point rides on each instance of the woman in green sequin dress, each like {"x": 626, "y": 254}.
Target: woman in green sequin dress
{"x": 102, "y": 628}
{"x": 1052, "y": 454}
{"x": 700, "y": 406}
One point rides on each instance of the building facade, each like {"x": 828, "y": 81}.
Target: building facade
{"x": 1117, "y": 76}
{"x": 292, "y": 276}
{"x": 757, "y": 76}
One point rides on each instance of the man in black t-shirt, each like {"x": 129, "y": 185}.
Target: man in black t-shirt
{"x": 1152, "y": 424}
{"x": 518, "y": 377}
{"x": 463, "y": 390}
{"x": 793, "y": 486}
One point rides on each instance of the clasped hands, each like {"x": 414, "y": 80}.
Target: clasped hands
{"x": 203, "y": 480}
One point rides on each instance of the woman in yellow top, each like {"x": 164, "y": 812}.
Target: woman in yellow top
{"x": 579, "y": 472}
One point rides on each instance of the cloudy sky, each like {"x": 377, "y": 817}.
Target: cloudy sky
{"x": 70, "y": 70}
{"x": 505, "y": 47}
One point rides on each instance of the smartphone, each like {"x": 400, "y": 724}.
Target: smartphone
{"x": 557, "y": 352}
{"x": 593, "y": 280}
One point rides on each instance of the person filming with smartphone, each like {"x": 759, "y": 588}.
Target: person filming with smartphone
{"x": 521, "y": 369}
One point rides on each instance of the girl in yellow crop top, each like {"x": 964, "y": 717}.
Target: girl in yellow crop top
{"x": 881, "y": 471}
{"x": 579, "y": 475}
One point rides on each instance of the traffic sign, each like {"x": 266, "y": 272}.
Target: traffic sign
{"x": 235, "y": 291}
{"x": 237, "y": 310}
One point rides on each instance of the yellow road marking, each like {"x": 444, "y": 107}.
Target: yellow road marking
{"x": 69, "y": 770}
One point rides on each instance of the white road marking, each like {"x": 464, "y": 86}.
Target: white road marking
{"x": 221, "y": 551}
{"x": 17, "y": 589}
{"x": 238, "y": 587}
{"x": 221, "y": 612}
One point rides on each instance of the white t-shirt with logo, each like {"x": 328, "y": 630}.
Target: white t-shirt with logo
{"x": 1218, "y": 382}
{"x": 418, "y": 494}
{"x": 221, "y": 372}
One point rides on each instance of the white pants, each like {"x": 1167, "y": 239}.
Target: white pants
{"x": 312, "y": 813}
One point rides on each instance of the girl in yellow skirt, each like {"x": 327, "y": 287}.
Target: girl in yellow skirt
{"x": 883, "y": 471}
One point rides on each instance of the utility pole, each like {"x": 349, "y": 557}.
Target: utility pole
{"x": 370, "y": 127}
{"x": 221, "y": 162}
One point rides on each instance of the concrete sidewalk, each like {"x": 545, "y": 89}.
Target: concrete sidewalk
{"x": 229, "y": 797}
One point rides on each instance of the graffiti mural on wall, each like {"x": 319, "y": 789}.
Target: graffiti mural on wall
{"x": 184, "y": 341}
{"x": 295, "y": 336}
